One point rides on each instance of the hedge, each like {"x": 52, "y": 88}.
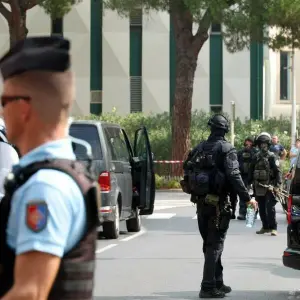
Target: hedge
{"x": 159, "y": 130}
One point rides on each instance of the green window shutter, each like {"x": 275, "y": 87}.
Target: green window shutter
{"x": 136, "y": 94}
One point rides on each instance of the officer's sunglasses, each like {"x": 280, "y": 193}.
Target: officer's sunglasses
{"x": 7, "y": 99}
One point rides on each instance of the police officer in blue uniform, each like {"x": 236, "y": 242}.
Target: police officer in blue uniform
{"x": 211, "y": 172}
{"x": 48, "y": 216}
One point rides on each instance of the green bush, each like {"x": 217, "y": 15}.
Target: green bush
{"x": 166, "y": 182}
{"x": 159, "y": 129}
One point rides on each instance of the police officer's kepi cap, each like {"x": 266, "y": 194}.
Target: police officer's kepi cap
{"x": 49, "y": 54}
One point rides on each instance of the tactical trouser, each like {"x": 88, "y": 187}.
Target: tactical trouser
{"x": 267, "y": 211}
{"x": 233, "y": 201}
{"x": 213, "y": 245}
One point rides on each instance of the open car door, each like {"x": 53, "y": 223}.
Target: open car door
{"x": 144, "y": 179}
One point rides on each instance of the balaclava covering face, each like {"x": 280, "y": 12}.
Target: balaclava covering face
{"x": 264, "y": 147}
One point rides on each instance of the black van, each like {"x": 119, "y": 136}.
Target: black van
{"x": 291, "y": 255}
{"x": 125, "y": 174}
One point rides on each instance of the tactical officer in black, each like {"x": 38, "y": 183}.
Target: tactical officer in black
{"x": 265, "y": 174}
{"x": 210, "y": 170}
{"x": 245, "y": 156}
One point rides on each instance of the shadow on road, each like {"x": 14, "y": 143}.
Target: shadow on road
{"x": 236, "y": 295}
{"x": 270, "y": 267}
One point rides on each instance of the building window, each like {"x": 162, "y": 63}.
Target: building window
{"x": 216, "y": 28}
{"x": 285, "y": 75}
{"x": 216, "y": 109}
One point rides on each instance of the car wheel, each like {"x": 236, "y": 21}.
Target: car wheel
{"x": 134, "y": 224}
{"x": 111, "y": 230}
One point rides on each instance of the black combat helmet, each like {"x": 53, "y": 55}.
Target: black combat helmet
{"x": 218, "y": 121}
{"x": 264, "y": 137}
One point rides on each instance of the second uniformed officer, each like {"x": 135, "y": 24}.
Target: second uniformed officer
{"x": 48, "y": 215}
{"x": 211, "y": 169}
{"x": 265, "y": 171}
{"x": 245, "y": 157}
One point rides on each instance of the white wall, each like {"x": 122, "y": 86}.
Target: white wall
{"x": 116, "y": 47}
{"x": 201, "y": 83}
{"x": 77, "y": 28}
{"x": 155, "y": 65}
{"x": 236, "y": 82}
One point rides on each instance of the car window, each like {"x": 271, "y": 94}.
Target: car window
{"x": 116, "y": 144}
{"x": 141, "y": 146}
{"x": 88, "y": 133}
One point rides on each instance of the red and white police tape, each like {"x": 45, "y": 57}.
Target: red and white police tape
{"x": 168, "y": 161}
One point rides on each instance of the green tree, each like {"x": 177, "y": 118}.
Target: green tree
{"x": 14, "y": 11}
{"x": 243, "y": 21}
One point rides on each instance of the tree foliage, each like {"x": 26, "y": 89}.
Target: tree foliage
{"x": 57, "y": 8}
{"x": 273, "y": 22}
{"x": 15, "y": 11}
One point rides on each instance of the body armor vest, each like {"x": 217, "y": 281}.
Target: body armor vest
{"x": 76, "y": 273}
{"x": 203, "y": 175}
{"x": 262, "y": 174}
{"x": 246, "y": 158}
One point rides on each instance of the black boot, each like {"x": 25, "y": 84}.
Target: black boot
{"x": 211, "y": 294}
{"x": 224, "y": 288}
{"x": 241, "y": 217}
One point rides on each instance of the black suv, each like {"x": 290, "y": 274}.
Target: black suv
{"x": 125, "y": 174}
{"x": 291, "y": 256}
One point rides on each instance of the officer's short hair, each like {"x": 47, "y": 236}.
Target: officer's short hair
{"x": 51, "y": 93}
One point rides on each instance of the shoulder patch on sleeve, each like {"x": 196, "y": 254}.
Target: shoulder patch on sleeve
{"x": 37, "y": 215}
{"x": 277, "y": 162}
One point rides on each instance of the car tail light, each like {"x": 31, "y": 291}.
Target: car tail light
{"x": 289, "y": 209}
{"x": 285, "y": 253}
{"x": 104, "y": 181}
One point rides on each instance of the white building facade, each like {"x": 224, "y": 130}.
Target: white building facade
{"x": 129, "y": 65}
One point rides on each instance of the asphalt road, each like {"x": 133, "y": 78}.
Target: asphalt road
{"x": 165, "y": 260}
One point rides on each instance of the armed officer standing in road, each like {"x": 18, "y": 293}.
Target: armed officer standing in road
{"x": 210, "y": 170}
{"x": 265, "y": 171}
{"x": 48, "y": 215}
{"x": 245, "y": 156}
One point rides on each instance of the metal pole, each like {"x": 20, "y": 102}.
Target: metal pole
{"x": 293, "y": 98}
{"x": 232, "y": 122}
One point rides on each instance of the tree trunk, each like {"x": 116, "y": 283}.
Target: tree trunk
{"x": 182, "y": 110}
{"x": 186, "y": 64}
{"x": 17, "y": 24}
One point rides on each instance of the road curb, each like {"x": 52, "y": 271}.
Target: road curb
{"x": 170, "y": 190}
